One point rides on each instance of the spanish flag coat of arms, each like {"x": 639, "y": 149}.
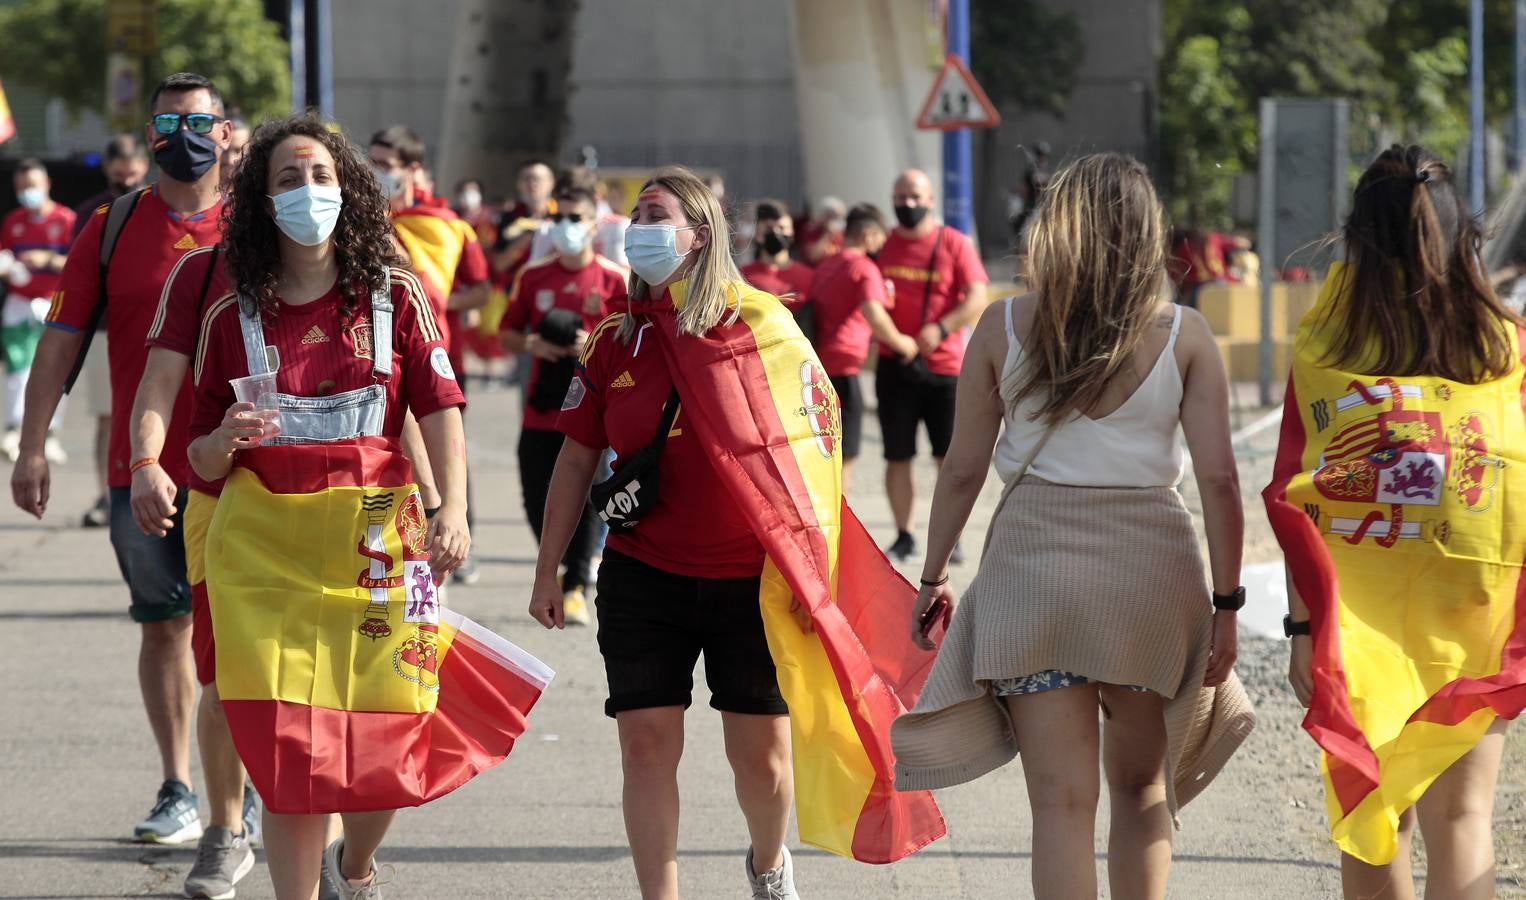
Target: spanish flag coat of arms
{"x": 756, "y": 394}
{"x": 1400, "y": 503}
{"x": 347, "y": 686}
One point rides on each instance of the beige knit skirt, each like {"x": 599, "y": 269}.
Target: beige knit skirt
{"x": 1102, "y": 582}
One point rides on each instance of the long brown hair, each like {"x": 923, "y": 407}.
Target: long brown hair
{"x": 1098, "y": 266}
{"x": 713, "y": 278}
{"x": 362, "y": 237}
{"x": 1416, "y": 299}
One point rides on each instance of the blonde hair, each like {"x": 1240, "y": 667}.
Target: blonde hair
{"x": 713, "y": 276}
{"x": 1097, "y": 255}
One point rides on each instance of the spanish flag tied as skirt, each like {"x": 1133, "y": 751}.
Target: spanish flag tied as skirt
{"x": 753, "y": 390}
{"x": 1400, "y": 503}
{"x": 347, "y": 687}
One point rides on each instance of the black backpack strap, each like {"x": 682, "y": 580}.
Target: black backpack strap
{"x": 669, "y": 415}
{"x": 116, "y": 219}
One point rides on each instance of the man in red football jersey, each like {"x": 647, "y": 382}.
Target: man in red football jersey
{"x": 553, "y": 305}
{"x": 772, "y": 269}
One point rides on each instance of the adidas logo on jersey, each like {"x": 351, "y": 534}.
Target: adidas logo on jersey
{"x": 623, "y": 381}
{"x": 315, "y": 335}
{"x": 186, "y": 242}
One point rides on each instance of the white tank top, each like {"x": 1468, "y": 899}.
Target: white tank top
{"x": 1137, "y": 445}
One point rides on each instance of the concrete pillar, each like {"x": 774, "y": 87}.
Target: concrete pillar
{"x": 862, "y": 70}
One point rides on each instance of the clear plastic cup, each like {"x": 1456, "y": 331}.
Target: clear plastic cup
{"x": 261, "y": 391}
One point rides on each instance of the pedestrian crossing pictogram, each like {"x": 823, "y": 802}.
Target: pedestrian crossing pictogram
{"x": 956, "y": 101}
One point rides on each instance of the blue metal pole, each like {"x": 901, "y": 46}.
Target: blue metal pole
{"x": 1476, "y": 106}
{"x": 323, "y": 36}
{"x": 1520, "y": 85}
{"x": 958, "y": 202}
{"x": 296, "y": 21}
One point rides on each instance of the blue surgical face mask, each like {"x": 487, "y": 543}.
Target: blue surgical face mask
{"x": 570, "y": 237}
{"x": 32, "y": 198}
{"x": 652, "y": 251}
{"x": 308, "y": 214}
{"x": 391, "y": 185}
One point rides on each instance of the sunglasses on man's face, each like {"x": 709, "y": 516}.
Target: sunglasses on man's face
{"x": 574, "y": 218}
{"x": 198, "y": 123}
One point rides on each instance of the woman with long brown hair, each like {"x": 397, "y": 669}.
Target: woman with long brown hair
{"x": 1395, "y": 499}
{"x": 1091, "y": 590}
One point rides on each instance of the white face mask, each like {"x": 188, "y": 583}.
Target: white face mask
{"x": 308, "y": 214}
{"x": 32, "y": 198}
{"x": 570, "y": 237}
{"x": 391, "y": 185}
{"x": 469, "y": 200}
{"x": 652, "y": 251}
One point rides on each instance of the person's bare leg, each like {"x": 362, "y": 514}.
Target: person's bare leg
{"x": 1457, "y": 819}
{"x": 167, "y": 678}
{"x": 847, "y": 474}
{"x": 1134, "y": 759}
{"x": 901, "y": 491}
{"x": 758, "y": 748}
{"x": 220, "y": 765}
{"x": 363, "y": 834}
{"x": 651, "y": 744}
{"x": 1395, "y": 881}
{"x": 1058, "y": 733}
{"x": 294, "y": 854}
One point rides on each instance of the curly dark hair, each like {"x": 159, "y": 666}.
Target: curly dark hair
{"x": 362, "y": 238}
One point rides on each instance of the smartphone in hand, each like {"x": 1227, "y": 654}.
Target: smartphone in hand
{"x": 936, "y": 610}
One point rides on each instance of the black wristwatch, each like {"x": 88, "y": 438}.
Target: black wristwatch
{"x": 1291, "y": 628}
{"x": 1231, "y": 602}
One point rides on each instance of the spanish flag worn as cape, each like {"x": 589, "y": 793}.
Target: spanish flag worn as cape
{"x": 1400, "y": 503}
{"x": 434, "y": 239}
{"x": 755, "y": 393}
{"x": 347, "y": 687}
{"x": 7, "y": 124}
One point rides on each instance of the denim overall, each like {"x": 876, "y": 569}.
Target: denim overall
{"x": 339, "y": 417}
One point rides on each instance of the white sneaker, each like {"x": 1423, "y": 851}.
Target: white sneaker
{"x": 347, "y": 891}
{"x": 775, "y": 884}
{"x": 53, "y": 451}
{"x": 10, "y": 444}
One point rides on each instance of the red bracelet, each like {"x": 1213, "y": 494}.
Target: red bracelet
{"x": 143, "y": 463}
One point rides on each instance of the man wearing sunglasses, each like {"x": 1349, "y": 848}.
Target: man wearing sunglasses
{"x": 178, "y": 214}
{"x": 553, "y": 305}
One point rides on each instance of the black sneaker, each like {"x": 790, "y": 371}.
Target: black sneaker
{"x": 173, "y": 820}
{"x": 98, "y": 516}
{"x": 904, "y": 548}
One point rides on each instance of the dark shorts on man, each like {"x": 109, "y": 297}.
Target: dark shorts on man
{"x": 653, "y": 626}
{"x": 152, "y": 566}
{"x": 906, "y": 401}
{"x": 850, "y": 399}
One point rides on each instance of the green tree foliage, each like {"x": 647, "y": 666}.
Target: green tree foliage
{"x": 59, "y": 48}
{"x": 1024, "y": 53}
{"x": 1403, "y": 66}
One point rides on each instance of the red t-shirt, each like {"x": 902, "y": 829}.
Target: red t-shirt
{"x": 844, "y": 283}
{"x": 791, "y": 284}
{"x": 323, "y": 353}
{"x": 152, "y": 242}
{"x": 21, "y": 231}
{"x": 594, "y": 291}
{"x": 924, "y": 288}
{"x": 695, "y": 529}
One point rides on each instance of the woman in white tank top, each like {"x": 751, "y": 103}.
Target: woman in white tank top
{"x": 1091, "y": 590}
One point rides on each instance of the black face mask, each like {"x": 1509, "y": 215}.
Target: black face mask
{"x": 910, "y": 216}
{"x": 186, "y": 155}
{"x": 775, "y": 243}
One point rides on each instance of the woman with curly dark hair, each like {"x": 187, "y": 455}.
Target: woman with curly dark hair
{"x": 345, "y": 343}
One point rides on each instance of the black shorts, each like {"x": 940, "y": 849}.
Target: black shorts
{"x": 653, "y": 625}
{"x": 905, "y": 403}
{"x": 153, "y": 567}
{"x": 850, "y": 397}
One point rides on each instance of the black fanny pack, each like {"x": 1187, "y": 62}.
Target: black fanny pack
{"x": 631, "y": 492}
